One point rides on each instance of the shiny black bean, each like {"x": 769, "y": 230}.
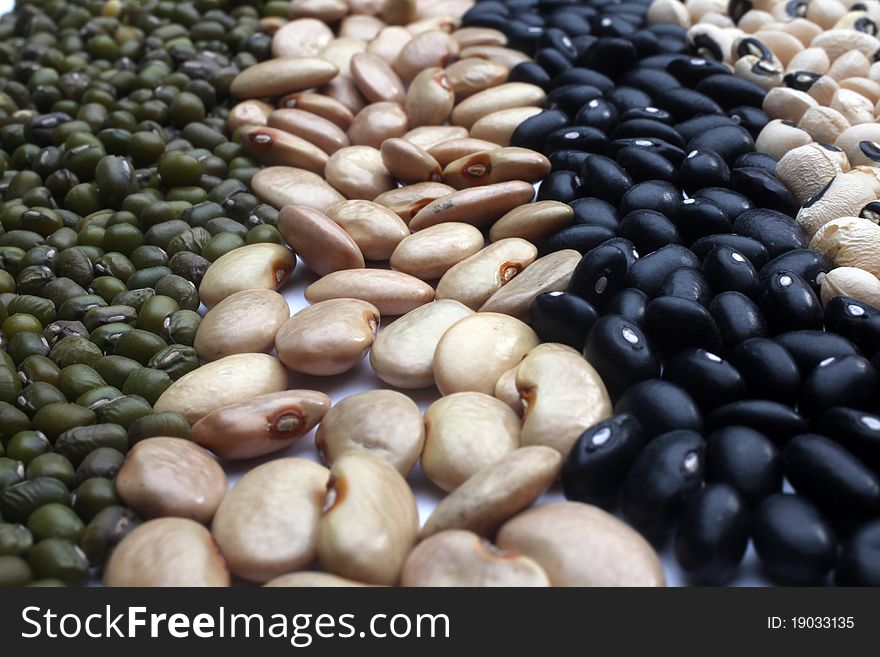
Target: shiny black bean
{"x": 567, "y": 160}
{"x": 672, "y": 153}
{"x": 667, "y": 472}
{"x": 855, "y": 430}
{"x": 757, "y": 160}
{"x": 652, "y": 195}
{"x": 642, "y": 164}
{"x": 776, "y": 231}
{"x": 809, "y": 348}
{"x": 552, "y": 61}
{"x": 699, "y": 124}
{"x": 746, "y": 460}
{"x": 531, "y": 73}
{"x": 859, "y": 562}
{"x": 653, "y": 113}
{"x": 728, "y": 270}
{"x": 660, "y": 406}
{"x": 620, "y": 352}
{"x": 572, "y": 97}
{"x": 733, "y": 203}
{"x": 703, "y": 169}
{"x": 579, "y": 138}
{"x": 600, "y": 274}
{"x": 750, "y": 248}
{"x": 776, "y": 421}
{"x": 648, "y": 230}
{"x": 690, "y": 70}
{"x": 629, "y": 303}
{"x": 730, "y": 91}
{"x": 764, "y": 189}
{"x": 768, "y": 368}
{"x": 674, "y": 324}
{"x": 649, "y": 271}
{"x": 532, "y": 132}
{"x": 738, "y": 318}
{"x": 604, "y": 178}
{"x": 563, "y": 317}
{"x": 793, "y": 540}
{"x": 609, "y": 56}
{"x": 729, "y": 141}
{"x": 564, "y": 186}
{"x": 750, "y": 118}
{"x": 712, "y": 534}
{"x": 596, "y": 212}
{"x": 581, "y": 238}
{"x": 833, "y": 479}
{"x": 555, "y": 38}
{"x": 584, "y": 76}
{"x": 699, "y": 217}
{"x": 627, "y": 98}
{"x": 806, "y": 263}
{"x": 686, "y": 104}
{"x": 838, "y": 381}
{"x": 600, "y": 459}
{"x": 639, "y": 128}
{"x": 598, "y": 113}
{"x": 709, "y": 380}
{"x": 856, "y": 321}
{"x": 687, "y": 283}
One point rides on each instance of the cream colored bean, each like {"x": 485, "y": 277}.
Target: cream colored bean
{"x": 251, "y": 267}
{"x": 851, "y": 64}
{"x": 496, "y": 493}
{"x": 563, "y": 394}
{"x": 280, "y": 186}
{"x": 171, "y": 477}
{"x": 476, "y": 278}
{"x": 778, "y": 138}
{"x": 361, "y": 26}
{"x": 479, "y": 36}
{"x": 851, "y": 282}
{"x": 323, "y": 133}
{"x": 399, "y": 12}
{"x": 274, "y": 147}
{"x": 850, "y": 140}
{"x": 403, "y": 353}
{"x": 428, "y": 136}
{"x": 230, "y": 380}
{"x": 504, "y": 96}
{"x": 532, "y": 221}
{"x": 166, "y": 552}
{"x": 244, "y": 322}
{"x": 262, "y": 425}
{"x": 839, "y": 42}
{"x": 430, "y": 98}
{"x": 384, "y": 423}
{"x": 406, "y": 202}
{"x": 430, "y": 253}
{"x": 452, "y": 150}
{"x": 307, "y": 579}
{"x": 823, "y": 124}
{"x": 781, "y": 44}
{"x": 472, "y": 75}
{"x": 425, "y": 50}
{"x": 319, "y": 105}
{"x": 370, "y": 520}
{"x": 863, "y": 86}
{"x": 389, "y": 42}
{"x": 408, "y": 163}
{"x": 548, "y": 274}
{"x": 814, "y": 60}
{"x": 505, "y": 390}
{"x": 507, "y": 57}
{"x": 358, "y": 173}
{"x": 375, "y": 229}
{"x": 375, "y": 79}
{"x": 850, "y": 242}
{"x": 464, "y": 433}
{"x": 283, "y": 75}
{"x": 344, "y": 91}
{"x": 377, "y": 122}
{"x": 325, "y": 10}
{"x": 495, "y": 166}
{"x": 843, "y": 197}
{"x": 582, "y": 545}
{"x": 754, "y": 68}
{"x": 479, "y": 206}
{"x": 267, "y": 525}
{"x": 807, "y": 169}
{"x": 788, "y": 104}
{"x": 321, "y": 243}
{"x": 460, "y": 558}
{"x": 392, "y": 292}
{"x": 475, "y": 351}
{"x": 854, "y": 106}
{"x": 668, "y": 11}
{"x": 427, "y": 23}
{"x": 329, "y": 337}
{"x": 340, "y": 52}
{"x": 304, "y": 37}
{"x": 497, "y": 127}
{"x": 248, "y": 112}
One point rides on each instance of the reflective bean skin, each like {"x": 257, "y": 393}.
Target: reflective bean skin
{"x": 746, "y": 460}
{"x": 855, "y": 430}
{"x": 674, "y": 324}
{"x": 750, "y": 248}
{"x": 855, "y": 320}
{"x": 809, "y": 348}
{"x": 777, "y": 232}
{"x": 629, "y": 303}
{"x": 859, "y": 563}
{"x": 777, "y": 421}
{"x": 563, "y": 317}
{"x": 660, "y": 407}
{"x": 620, "y": 352}
{"x": 737, "y": 317}
{"x": 687, "y": 283}
{"x": 710, "y": 380}
{"x": 836, "y": 381}
{"x": 600, "y": 274}
{"x": 728, "y": 270}
{"x": 789, "y": 303}
{"x": 649, "y": 271}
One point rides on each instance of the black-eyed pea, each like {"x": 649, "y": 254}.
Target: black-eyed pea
{"x": 823, "y": 124}
{"x": 778, "y": 137}
{"x": 850, "y": 140}
{"x": 669, "y": 11}
{"x": 850, "y": 242}
{"x": 854, "y": 106}
{"x": 787, "y": 104}
{"x": 806, "y": 169}
{"x": 852, "y": 64}
{"x": 839, "y": 42}
{"x": 755, "y": 20}
{"x": 758, "y": 70}
{"x": 843, "y": 196}
{"x": 813, "y": 60}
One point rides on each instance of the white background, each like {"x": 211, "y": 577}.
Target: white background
{"x": 361, "y": 379}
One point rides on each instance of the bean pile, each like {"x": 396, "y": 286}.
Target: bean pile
{"x": 697, "y": 301}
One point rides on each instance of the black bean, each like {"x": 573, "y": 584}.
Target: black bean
{"x": 642, "y": 165}
{"x": 652, "y": 195}
{"x": 730, "y": 91}
{"x": 699, "y": 217}
{"x": 674, "y": 324}
{"x": 729, "y": 141}
{"x": 581, "y": 238}
{"x": 648, "y": 230}
{"x": 563, "y": 317}
{"x": 572, "y": 97}
{"x": 649, "y": 271}
{"x": 660, "y": 406}
{"x": 793, "y": 540}
{"x": 768, "y": 369}
{"x": 667, "y": 472}
{"x": 552, "y": 61}
{"x": 857, "y": 431}
{"x": 809, "y": 348}
{"x": 579, "y": 138}
{"x": 620, "y": 352}
{"x": 672, "y": 153}
{"x": 584, "y": 76}
{"x": 776, "y": 231}
{"x": 763, "y": 189}
{"x": 553, "y": 37}
{"x": 690, "y": 70}
{"x": 699, "y": 124}
{"x": 640, "y": 128}
{"x": 600, "y": 459}
{"x": 532, "y": 132}
{"x": 728, "y": 270}
{"x": 687, "y": 283}
{"x": 561, "y": 186}
{"x": 650, "y": 80}
{"x": 604, "y": 178}
{"x": 838, "y": 381}
{"x": 856, "y": 321}
{"x": 750, "y": 248}
{"x": 806, "y": 263}
{"x": 685, "y": 104}
{"x": 709, "y": 380}
{"x": 598, "y": 113}
{"x": 750, "y": 118}
{"x": 600, "y": 274}
{"x": 626, "y": 98}
{"x": 833, "y": 479}
{"x": 738, "y": 318}
{"x": 596, "y": 212}
{"x": 776, "y": 421}
{"x": 703, "y": 169}
{"x": 757, "y": 160}
{"x": 653, "y": 113}
{"x": 629, "y": 303}
{"x": 733, "y": 203}
{"x": 531, "y": 73}
{"x": 859, "y": 562}
{"x": 567, "y": 160}
{"x": 609, "y": 56}
{"x": 745, "y": 459}
{"x": 712, "y": 534}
